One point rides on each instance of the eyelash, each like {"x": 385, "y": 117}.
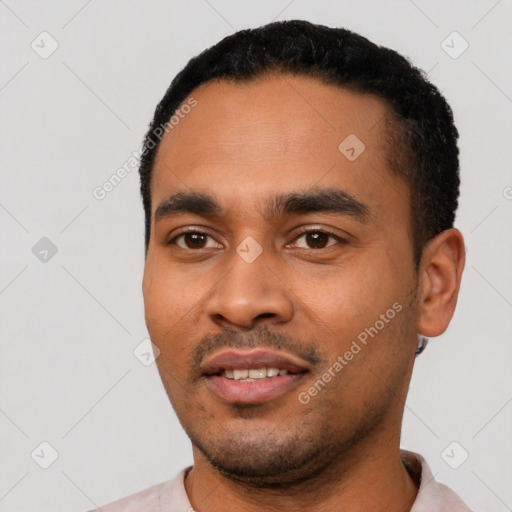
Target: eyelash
{"x": 304, "y": 231}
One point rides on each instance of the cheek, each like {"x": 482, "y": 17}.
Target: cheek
{"x": 163, "y": 312}
{"x": 352, "y": 299}
{"x": 161, "y": 305}
{"x": 173, "y": 311}
{"x": 353, "y": 290}
{"x": 166, "y": 294}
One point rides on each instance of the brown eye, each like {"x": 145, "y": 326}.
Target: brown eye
{"x": 194, "y": 240}
{"x": 315, "y": 239}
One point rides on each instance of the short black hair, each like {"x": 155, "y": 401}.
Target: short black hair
{"x": 420, "y": 121}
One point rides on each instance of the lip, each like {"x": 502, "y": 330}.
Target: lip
{"x": 256, "y": 358}
{"x": 259, "y": 391}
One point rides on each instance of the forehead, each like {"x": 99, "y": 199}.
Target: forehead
{"x": 282, "y": 132}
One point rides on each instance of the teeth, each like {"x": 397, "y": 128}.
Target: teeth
{"x": 240, "y": 374}
{"x": 257, "y": 373}
{"x": 253, "y": 374}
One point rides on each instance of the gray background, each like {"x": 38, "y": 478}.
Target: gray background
{"x": 70, "y": 324}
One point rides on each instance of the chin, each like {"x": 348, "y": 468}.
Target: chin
{"x": 266, "y": 462}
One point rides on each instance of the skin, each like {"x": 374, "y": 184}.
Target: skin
{"x": 243, "y": 144}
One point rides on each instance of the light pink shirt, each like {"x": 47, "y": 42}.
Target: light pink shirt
{"x": 170, "y": 496}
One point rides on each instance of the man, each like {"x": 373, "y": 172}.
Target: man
{"x": 300, "y": 186}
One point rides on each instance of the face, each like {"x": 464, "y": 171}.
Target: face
{"x": 274, "y": 250}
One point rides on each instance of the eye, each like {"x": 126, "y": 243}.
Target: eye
{"x": 194, "y": 240}
{"x": 317, "y": 239}
{"x": 310, "y": 239}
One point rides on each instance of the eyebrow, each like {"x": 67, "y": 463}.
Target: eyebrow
{"x": 325, "y": 200}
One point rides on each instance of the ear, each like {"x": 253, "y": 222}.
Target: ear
{"x": 441, "y": 269}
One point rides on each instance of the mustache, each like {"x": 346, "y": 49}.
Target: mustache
{"x": 261, "y": 337}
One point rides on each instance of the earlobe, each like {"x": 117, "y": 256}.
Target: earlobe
{"x": 440, "y": 276}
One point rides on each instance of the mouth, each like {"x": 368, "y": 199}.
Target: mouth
{"x": 252, "y": 376}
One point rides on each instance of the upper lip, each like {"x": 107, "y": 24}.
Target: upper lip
{"x": 233, "y": 359}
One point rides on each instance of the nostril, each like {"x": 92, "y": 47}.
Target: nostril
{"x": 266, "y": 315}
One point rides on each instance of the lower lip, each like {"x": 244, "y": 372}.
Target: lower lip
{"x": 256, "y": 392}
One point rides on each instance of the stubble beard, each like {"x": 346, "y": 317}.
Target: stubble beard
{"x": 304, "y": 446}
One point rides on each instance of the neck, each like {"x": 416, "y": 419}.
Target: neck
{"x": 369, "y": 477}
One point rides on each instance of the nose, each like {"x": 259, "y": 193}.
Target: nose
{"x": 250, "y": 293}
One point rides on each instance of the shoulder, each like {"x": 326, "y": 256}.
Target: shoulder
{"x": 147, "y": 500}
{"x": 433, "y": 496}
{"x": 153, "y": 499}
